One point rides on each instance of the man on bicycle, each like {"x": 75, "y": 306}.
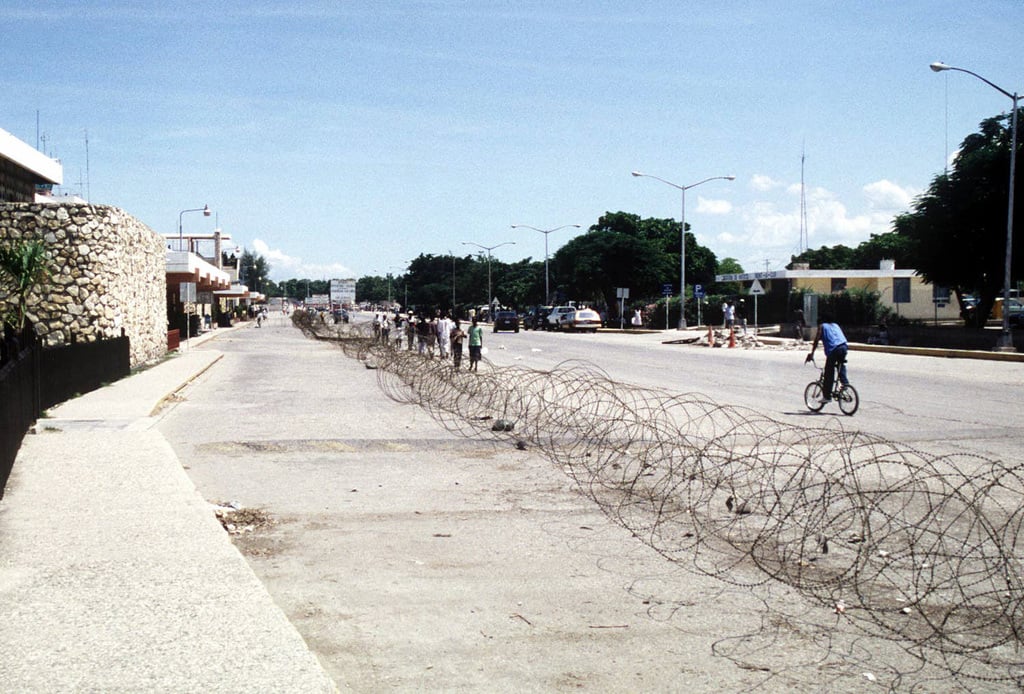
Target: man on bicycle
{"x": 834, "y": 341}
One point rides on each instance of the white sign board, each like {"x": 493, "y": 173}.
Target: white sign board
{"x": 622, "y": 292}
{"x": 756, "y": 289}
{"x": 188, "y": 292}
{"x": 343, "y": 292}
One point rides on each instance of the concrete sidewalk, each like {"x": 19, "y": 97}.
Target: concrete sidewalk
{"x": 115, "y": 574}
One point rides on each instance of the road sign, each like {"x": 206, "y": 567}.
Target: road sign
{"x": 667, "y": 290}
{"x": 622, "y": 292}
{"x": 698, "y": 291}
{"x": 756, "y": 289}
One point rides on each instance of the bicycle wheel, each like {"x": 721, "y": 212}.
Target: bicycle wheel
{"x": 812, "y": 396}
{"x": 849, "y": 401}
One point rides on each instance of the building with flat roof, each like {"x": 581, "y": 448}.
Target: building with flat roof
{"x": 903, "y": 291}
{"x": 23, "y": 169}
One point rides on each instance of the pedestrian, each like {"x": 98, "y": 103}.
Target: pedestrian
{"x": 410, "y": 331}
{"x": 444, "y": 331}
{"x": 431, "y": 337}
{"x": 725, "y": 314}
{"x": 457, "y": 337}
{"x": 741, "y": 316}
{"x": 834, "y": 342}
{"x": 637, "y": 321}
{"x": 476, "y": 344}
{"x": 423, "y": 332}
{"x": 385, "y": 329}
{"x": 730, "y": 315}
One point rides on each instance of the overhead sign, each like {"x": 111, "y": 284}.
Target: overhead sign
{"x": 756, "y": 289}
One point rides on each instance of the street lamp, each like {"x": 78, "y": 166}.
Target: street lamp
{"x": 205, "y": 209}
{"x": 490, "y": 299}
{"x": 547, "y": 287}
{"x": 1005, "y": 343}
{"x": 682, "y": 235}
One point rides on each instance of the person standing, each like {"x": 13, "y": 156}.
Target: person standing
{"x": 444, "y": 331}
{"x": 637, "y": 321}
{"x": 834, "y": 342}
{"x": 799, "y": 323}
{"x": 457, "y": 337}
{"x": 476, "y": 344}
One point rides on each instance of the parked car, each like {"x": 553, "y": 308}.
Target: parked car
{"x": 506, "y": 320}
{"x": 536, "y": 317}
{"x": 554, "y": 319}
{"x": 582, "y": 319}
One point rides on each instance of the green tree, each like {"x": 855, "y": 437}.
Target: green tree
{"x": 958, "y": 225}
{"x": 592, "y": 265}
{"x": 23, "y": 267}
{"x": 254, "y": 271}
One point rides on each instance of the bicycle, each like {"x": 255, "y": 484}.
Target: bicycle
{"x": 846, "y": 396}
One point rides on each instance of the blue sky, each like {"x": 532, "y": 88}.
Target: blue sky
{"x": 345, "y": 138}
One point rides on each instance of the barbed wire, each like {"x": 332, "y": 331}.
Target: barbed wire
{"x": 919, "y": 549}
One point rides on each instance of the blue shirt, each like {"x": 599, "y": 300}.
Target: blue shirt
{"x": 832, "y": 337}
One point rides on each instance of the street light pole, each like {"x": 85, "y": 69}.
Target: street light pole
{"x": 205, "y": 209}
{"x": 682, "y": 235}
{"x": 547, "y": 286}
{"x": 490, "y": 299}
{"x": 1005, "y": 343}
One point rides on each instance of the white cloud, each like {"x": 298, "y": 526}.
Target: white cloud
{"x": 708, "y": 206}
{"x": 284, "y": 266}
{"x": 763, "y": 183}
{"x": 886, "y": 196}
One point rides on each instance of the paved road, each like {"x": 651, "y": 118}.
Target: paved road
{"x": 939, "y": 404}
{"x": 413, "y": 560}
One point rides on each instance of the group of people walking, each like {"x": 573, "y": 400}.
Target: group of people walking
{"x": 438, "y": 334}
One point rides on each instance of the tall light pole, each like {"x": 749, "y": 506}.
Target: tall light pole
{"x": 1005, "y": 343}
{"x": 453, "y": 282}
{"x": 682, "y": 235}
{"x": 205, "y": 209}
{"x": 547, "y": 286}
{"x": 490, "y": 299}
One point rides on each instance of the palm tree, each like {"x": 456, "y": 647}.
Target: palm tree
{"x": 23, "y": 267}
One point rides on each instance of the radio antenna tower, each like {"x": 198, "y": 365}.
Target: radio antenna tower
{"x": 805, "y": 241}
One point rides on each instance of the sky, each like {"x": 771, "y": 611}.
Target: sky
{"x": 345, "y": 138}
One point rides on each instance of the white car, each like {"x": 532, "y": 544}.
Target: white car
{"x": 582, "y": 319}
{"x": 557, "y": 315}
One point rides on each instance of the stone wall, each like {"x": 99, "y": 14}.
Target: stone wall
{"x": 108, "y": 272}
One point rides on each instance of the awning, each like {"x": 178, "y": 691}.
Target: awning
{"x": 183, "y": 267}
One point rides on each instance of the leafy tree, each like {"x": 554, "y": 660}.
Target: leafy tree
{"x": 23, "y": 267}
{"x": 592, "y": 265}
{"x": 958, "y": 225}
{"x": 254, "y": 271}
{"x": 837, "y": 257}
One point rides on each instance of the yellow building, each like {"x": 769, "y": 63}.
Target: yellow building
{"x": 903, "y": 291}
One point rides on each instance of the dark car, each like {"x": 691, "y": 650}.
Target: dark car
{"x": 536, "y": 317}
{"x": 506, "y": 320}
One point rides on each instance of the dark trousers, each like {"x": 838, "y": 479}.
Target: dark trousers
{"x": 836, "y": 358}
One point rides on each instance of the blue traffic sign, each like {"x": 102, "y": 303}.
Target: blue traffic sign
{"x": 698, "y": 291}
{"x": 667, "y": 290}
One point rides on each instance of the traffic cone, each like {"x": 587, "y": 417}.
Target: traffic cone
{"x": 732, "y": 338}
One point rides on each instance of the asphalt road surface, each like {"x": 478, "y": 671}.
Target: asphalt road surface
{"x": 414, "y": 560}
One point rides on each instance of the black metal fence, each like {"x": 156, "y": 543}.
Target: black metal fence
{"x": 33, "y": 379}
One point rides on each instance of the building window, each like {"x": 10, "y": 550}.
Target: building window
{"x": 838, "y": 284}
{"x": 901, "y": 290}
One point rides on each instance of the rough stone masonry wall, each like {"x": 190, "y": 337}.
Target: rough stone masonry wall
{"x": 108, "y": 271}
